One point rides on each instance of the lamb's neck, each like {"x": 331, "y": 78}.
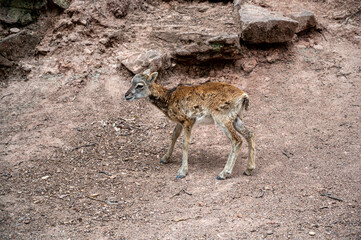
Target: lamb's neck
{"x": 159, "y": 96}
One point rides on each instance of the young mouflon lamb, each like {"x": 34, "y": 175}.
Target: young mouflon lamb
{"x": 210, "y": 102}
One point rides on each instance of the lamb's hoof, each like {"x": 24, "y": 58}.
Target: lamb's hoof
{"x": 180, "y": 176}
{"x": 163, "y": 162}
{"x": 247, "y": 172}
{"x": 221, "y": 178}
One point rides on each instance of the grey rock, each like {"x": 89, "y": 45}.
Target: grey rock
{"x": 64, "y": 4}
{"x": 5, "y": 62}
{"x": 19, "y": 45}
{"x": 306, "y": 20}
{"x": 258, "y": 25}
{"x": 238, "y": 3}
{"x": 152, "y": 59}
{"x": 14, "y": 30}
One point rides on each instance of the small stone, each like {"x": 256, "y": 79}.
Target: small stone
{"x": 26, "y": 67}
{"x": 14, "y": 30}
{"x": 103, "y": 41}
{"x": 45, "y": 177}
{"x": 311, "y": 233}
{"x": 27, "y": 221}
{"x": 87, "y": 51}
{"x": 269, "y": 232}
{"x": 201, "y": 204}
{"x": 273, "y": 57}
{"x": 318, "y": 47}
{"x": 239, "y": 215}
{"x": 249, "y": 64}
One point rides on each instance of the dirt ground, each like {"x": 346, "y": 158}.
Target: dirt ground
{"x": 79, "y": 162}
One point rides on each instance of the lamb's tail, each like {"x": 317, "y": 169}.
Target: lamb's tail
{"x": 245, "y": 105}
{"x": 245, "y": 101}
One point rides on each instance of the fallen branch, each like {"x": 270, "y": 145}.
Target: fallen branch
{"x": 351, "y": 16}
{"x": 95, "y": 5}
{"x": 331, "y": 196}
{"x": 184, "y": 191}
{"x": 287, "y": 155}
{"x": 190, "y": 194}
{"x": 6, "y": 95}
{"x": 99, "y": 200}
{"x": 82, "y": 146}
{"x": 108, "y": 174}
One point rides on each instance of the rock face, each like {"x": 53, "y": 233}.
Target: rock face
{"x": 152, "y": 59}
{"x": 258, "y": 25}
{"x": 18, "y": 45}
{"x": 199, "y": 47}
{"x": 306, "y": 20}
{"x": 202, "y": 48}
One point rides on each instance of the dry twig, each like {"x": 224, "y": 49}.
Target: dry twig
{"x": 352, "y": 15}
{"x": 82, "y": 146}
{"x": 95, "y": 5}
{"x": 331, "y": 196}
{"x": 261, "y": 194}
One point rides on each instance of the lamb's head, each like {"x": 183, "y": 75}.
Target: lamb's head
{"x": 140, "y": 85}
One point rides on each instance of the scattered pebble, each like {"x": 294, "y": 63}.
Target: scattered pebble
{"x": 269, "y": 232}
{"x": 45, "y": 177}
{"x": 318, "y": 47}
{"x": 87, "y": 51}
{"x": 14, "y": 30}
{"x": 311, "y": 233}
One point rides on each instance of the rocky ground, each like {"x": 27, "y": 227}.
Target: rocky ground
{"x": 79, "y": 162}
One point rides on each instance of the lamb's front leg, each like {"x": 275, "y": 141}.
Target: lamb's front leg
{"x": 186, "y": 139}
{"x": 176, "y": 132}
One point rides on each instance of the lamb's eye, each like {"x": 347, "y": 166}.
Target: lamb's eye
{"x": 139, "y": 86}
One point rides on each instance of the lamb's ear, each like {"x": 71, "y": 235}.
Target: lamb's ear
{"x": 147, "y": 72}
{"x": 153, "y": 77}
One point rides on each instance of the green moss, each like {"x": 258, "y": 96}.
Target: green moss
{"x": 217, "y": 46}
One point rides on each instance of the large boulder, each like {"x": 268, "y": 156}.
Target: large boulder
{"x": 258, "y": 25}
{"x": 152, "y": 59}
{"x": 306, "y": 20}
{"x": 19, "y": 45}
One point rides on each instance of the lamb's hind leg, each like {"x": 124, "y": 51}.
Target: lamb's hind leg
{"x": 176, "y": 132}
{"x": 182, "y": 172}
{"x": 236, "y": 142}
{"x": 250, "y": 137}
